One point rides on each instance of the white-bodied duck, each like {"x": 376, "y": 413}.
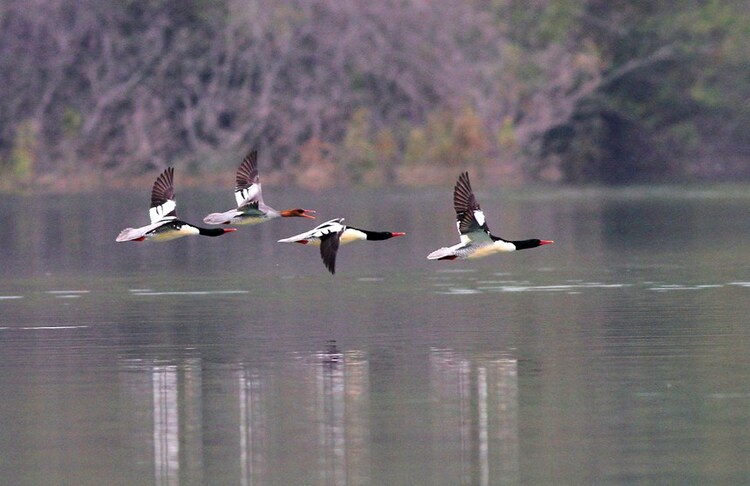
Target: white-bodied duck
{"x": 333, "y": 233}
{"x": 476, "y": 239}
{"x": 164, "y": 223}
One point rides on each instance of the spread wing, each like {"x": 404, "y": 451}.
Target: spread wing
{"x": 469, "y": 216}
{"x": 163, "y": 203}
{"x": 319, "y": 232}
{"x": 247, "y": 186}
{"x": 329, "y": 246}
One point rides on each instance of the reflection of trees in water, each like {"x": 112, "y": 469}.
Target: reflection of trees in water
{"x": 329, "y": 393}
{"x": 475, "y": 407}
{"x": 166, "y": 424}
{"x": 178, "y": 445}
{"x": 310, "y": 415}
{"x": 342, "y": 382}
{"x": 253, "y": 426}
{"x": 167, "y": 415}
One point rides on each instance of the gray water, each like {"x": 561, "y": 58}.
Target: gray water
{"x": 617, "y": 355}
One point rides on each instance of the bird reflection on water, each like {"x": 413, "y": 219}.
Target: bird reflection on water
{"x": 312, "y": 413}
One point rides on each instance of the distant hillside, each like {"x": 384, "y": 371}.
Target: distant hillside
{"x": 376, "y": 92}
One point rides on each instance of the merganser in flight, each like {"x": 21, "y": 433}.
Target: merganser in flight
{"x": 164, "y": 223}
{"x": 250, "y": 206}
{"x": 333, "y": 233}
{"x": 476, "y": 239}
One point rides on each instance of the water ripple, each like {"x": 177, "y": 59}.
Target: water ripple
{"x": 665, "y": 288}
{"x": 191, "y": 292}
{"x": 44, "y": 328}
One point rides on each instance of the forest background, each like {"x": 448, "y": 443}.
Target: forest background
{"x": 374, "y": 92}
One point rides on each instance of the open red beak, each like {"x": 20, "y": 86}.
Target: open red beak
{"x": 307, "y": 213}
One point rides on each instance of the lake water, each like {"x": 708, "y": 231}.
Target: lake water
{"x": 620, "y": 354}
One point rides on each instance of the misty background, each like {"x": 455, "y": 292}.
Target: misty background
{"x": 363, "y": 92}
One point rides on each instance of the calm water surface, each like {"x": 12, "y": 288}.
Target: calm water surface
{"x": 617, "y": 355}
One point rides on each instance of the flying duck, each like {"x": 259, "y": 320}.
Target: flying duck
{"x": 164, "y": 223}
{"x": 476, "y": 239}
{"x": 333, "y": 233}
{"x": 250, "y": 206}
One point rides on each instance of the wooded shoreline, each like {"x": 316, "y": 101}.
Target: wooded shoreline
{"x": 374, "y": 93}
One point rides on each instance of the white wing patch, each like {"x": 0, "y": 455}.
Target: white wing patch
{"x": 327, "y": 228}
{"x": 158, "y": 213}
{"x": 479, "y": 215}
{"x": 332, "y": 226}
{"x": 251, "y": 193}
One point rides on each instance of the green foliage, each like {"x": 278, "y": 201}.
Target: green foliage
{"x": 558, "y": 20}
{"x": 506, "y": 135}
{"x": 358, "y": 152}
{"x": 368, "y": 156}
{"x": 417, "y": 147}
{"x": 448, "y": 138}
{"x": 534, "y": 24}
{"x": 673, "y": 76}
{"x": 23, "y": 154}
{"x": 71, "y": 122}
